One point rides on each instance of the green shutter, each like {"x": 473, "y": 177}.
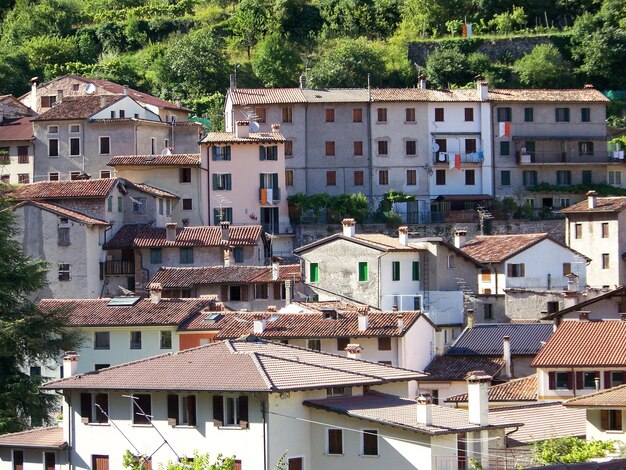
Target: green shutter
{"x": 214, "y": 153}
{"x": 227, "y": 152}
{"x": 528, "y": 115}
{"x": 275, "y": 181}
{"x": 215, "y": 182}
{"x": 505, "y": 178}
{"x": 216, "y": 216}
{"x": 110, "y": 204}
{"x": 363, "y": 271}
{"x": 395, "y": 271}
{"x": 505, "y": 148}
{"x": 262, "y": 153}
{"x": 416, "y": 270}
{"x": 313, "y": 272}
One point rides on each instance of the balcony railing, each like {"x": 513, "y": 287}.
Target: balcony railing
{"x": 269, "y": 195}
{"x": 444, "y": 158}
{"x": 115, "y": 268}
{"x": 547, "y": 158}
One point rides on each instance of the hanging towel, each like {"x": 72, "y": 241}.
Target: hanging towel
{"x": 263, "y": 196}
{"x": 457, "y": 161}
{"x": 505, "y": 129}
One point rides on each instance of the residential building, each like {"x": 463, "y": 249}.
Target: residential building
{"x": 598, "y": 306}
{"x": 581, "y": 357}
{"x": 595, "y": 227}
{"x": 514, "y": 392}
{"x": 16, "y": 141}
{"x": 151, "y": 247}
{"x": 34, "y": 449}
{"x": 534, "y": 265}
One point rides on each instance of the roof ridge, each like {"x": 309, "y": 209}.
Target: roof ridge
{"x": 264, "y": 375}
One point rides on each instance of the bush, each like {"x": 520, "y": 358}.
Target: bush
{"x": 569, "y": 450}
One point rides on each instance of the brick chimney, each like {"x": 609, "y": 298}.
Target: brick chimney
{"x": 70, "y": 363}
{"x": 403, "y": 235}
{"x": 583, "y": 315}
{"x": 259, "y": 323}
{"x": 170, "y": 231}
{"x": 288, "y": 291}
{"x": 460, "y": 237}
{"x": 242, "y": 129}
{"x": 349, "y": 227}
{"x": 424, "y": 408}
{"x": 592, "y": 199}
{"x": 478, "y": 400}
{"x": 156, "y": 289}
{"x": 354, "y": 350}
{"x": 506, "y": 355}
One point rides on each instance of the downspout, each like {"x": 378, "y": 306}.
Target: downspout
{"x": 266, "y": 442}
{"x": 379, "y": 280}
{"x": 306, "y": 147}
{"x": 493, "y": 151}
{"x": 506, "y": 436}
{"x": 369, "y": 144}
{"x": 145, "y": 270}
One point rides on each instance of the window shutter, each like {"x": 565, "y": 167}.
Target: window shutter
{"x": 218, "y": 410}
{"x": 261, "y": 181}
{"x": 262, "y": 153}
{"x": 227, "y": 152}
{"x": 509, "y": 270}
{"x": 579, "y": 381}
{"x": 277, "y": 291}
{"x": 214, "y": 153}
{"x": 243, "y": 410}
{"x": 604, "y": 419}
{"x": 191, "y": 410}
{"x": 228, "y": 182}
{"x": 551, "y": 380}
{"x": 85, "y": 405}
{"x": 275, "y": 182}
{"x": 172, "y": 408}
{"x": 522, "y": 271}
{"x": 224, "y": 294}
{"x": 102, "y": 399}
{"x": 607, "y": 379}
{"x": 215, "y": 182}
{"x": 570, "y": 380}
{"x": 244, "y": 293}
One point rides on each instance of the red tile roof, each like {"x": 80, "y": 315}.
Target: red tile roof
{"x": 146, "y": 236}
{"x": 614, "y": 397}
{"x": 19, "y": 129}
{"x": 545, "y": 95}
{"x": 39, "y": 438}
{"x": 64, "y": 212}
{"x": 96, "y": 312}
{"x": 585, "y": 344}
{"x": 446, "y": 368}
{"x": 181, "y": 278}
{"x": 376, "y": 241}
{"x": 181, "y": 159}
{"x": 97, "y": 188}
{"x": 253, "y": 138}
{"x": 78, "y": 107}
{"x": 603, "y": 204}
{"x": 248, "y": 364}
{"x": 499, "y": 248}
{"x": 522, "y": 389}
{"x": 252, "y": 96}
{"x": 146, "y": 188}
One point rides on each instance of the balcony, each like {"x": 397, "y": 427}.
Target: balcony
{"x": 444, "y": 158}
{"x": 118, "y": 268}
{"x": 268, "y": 196}
{"x": 569, "y": 157}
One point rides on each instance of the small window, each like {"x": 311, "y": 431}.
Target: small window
{"x": 410, "y": 147}
{"x": 289, "y": 177}
{"x": 562, "y": 380}
{"x": 261, "y": 291}
{"x": 567, "y": 269}
{"x": 74, "y": 146}
{"x": 440, "y": 177}
{"x": 358, "y": 148}
{"x": 161, "y": 208}
{"x": 186, "y": 255}
{"x": 23, "y": 178}
{"x": 261, "y": 114}
{"x": 53, "y": 129}
{"x": 105, "y": 145}
{"x": 335, "y": 441}
{"x": 120, "y": 204}
{"x": 585, "y": 149}
{"x": 358, "y": 178}
{"x": 470, "y": 178}
{"x": 105, "y": 174}
{"x": 330, "y": 114}
{"x": 64, "y": 272}
{"x": 439, "y": 116}
{"x": 53, "y": 147}
{"x": 142, "y": 408}
{"x": 102, "y": 340}
{"x": 469, "y": 114}
{"x": 313, "y": 272}
{"x": 409, "y": 115}
{"x": 611, "y": 420}
{"x": 585, "y": 114}
{"x": 515, "y": 269}
{"x": 615, "y": 177}
{"x": 74, "y": 175}
{"x": 6, "y": 179}
{"x": 605, "y": 261}
{"x": 53, "y": 176}
{"x": 587, "y": 177}
{"x": 166, "y": 340}
{"x": 411, "y": 177}
{"x": 384, "y": 343}
{"x": 342, "y": 343}
{"x": 529, "y": 115}
{"x": 269, "y": 152}
{"x": 135, "y": 340}
{"x": 381, "y": 114}
{"x": 451, "y": 261}
{"x": 329, "y": 148}
{"x": 287, "y": 114}
{"x": 488, "y": 311}
{"x": 505, "y": 178}
{"x": 122, "y": 113}
{"x": 562, "y": 114}
{"x": 383, "y": 147}
{"x": 370, "y": 442}
{"x": 314, "y": 344}
{"x": 363, "y": 273}
{"x": 415, "y": 270}
{"x": 156, "y": 256}
{"x": 503, "y": 114}
{"x": 331, "y": 178}
{"x": 357, "y": 115}
{"x": 563, "y": 177}
{"x": 395, "y": 270}
{"x": 238, "y": 254}
{"x": 187, "y": 204}
{"x": 529, "y": 178}
{"x": 139, "y": 205}
{"x": 185, "y": 175}
{"x": 288, "y": 148}
{"x": 470, "y": 145}
{"x": 505, "y": 148}
{"x": 220, "y": 153}
{"x": 181, "y": 410}
{"x": 222, "y": 182}
{"x": 383, "y": 177}
{"x": 589, "y": 379}
{"x": 578, "y": 231}
{"x": 48, "y": 101}
{"x": 22, "y": 153}
{"x": 605, "y": 230}
{"x": 552, "y": 306}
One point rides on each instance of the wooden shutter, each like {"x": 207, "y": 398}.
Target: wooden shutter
{"x": 191, "y": 410}
{"x": 102, "y": 400}
{"x": 218, "y": 410}
{"x": 50, "y": 460}
{"x": 579, "y": 381}
{"x": 570, "y": 381}
{"x": 244, "y": 293}
{"x": 607, "y": 379}
{"x": 228, "y": 182}
{"x": 277, "y": 287}
{"x": 224, "y": 293}
{"x": 243, "y": 411}
{"x": 100, "y": 462}
{"x": 262, "y": 153}
{"x": 295, "y": 464}
{"x": 509, "y": 270}
{"x": 551, "y": 380}
{"x": 522, "y": 270}
{"x": 227, "y": 152}
{"x": 335, "y": 441}
{"x": 604, "y": 420}
{"x": 85, "y": 406}
{"x": 214, "y": 153}
{"x": 215, "y": 182}
{"x": 172, "y": 409}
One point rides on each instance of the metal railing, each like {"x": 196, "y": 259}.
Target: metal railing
{"x": 444, "y": 158}
{"x": 541, "y": 158}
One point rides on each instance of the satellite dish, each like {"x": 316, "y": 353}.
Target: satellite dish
{"x": 435, "y": 147}
{"x": 166, "y": 151}
{"x": 90, "y": 88}
{"x": 254, "y": 126}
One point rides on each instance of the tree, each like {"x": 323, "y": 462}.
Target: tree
{"x": 569, "y": 450}
{"x": 543, "y": 67}
{"x": 199, "y": 462}
{"x": 276, "y": 63}
{"x": 251, "y": 21}
{"x": 27, "y": 335}
{"x": 446, "y": 67}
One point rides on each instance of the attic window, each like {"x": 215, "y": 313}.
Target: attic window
{"x": 214, "y": 317}
{"x": 329, "y": 314}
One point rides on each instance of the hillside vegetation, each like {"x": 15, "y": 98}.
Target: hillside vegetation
{"x": 188, "y": 48}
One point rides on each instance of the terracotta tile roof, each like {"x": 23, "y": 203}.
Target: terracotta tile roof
{"x": 248, "y": 364}
{"x": 603, "y": 204}
{"x": 499, "y": 248}
{"x": 96, "y": 312}
{"x": 39, "y": 438}
{"x": 417, "y": 94}
{"x": 446, "y": 368}
{"x": 486, "y": 339}
{"x": 181, "y": 159}
{"x": 585, "y": 344}
{"x": 399, "y": 412}
{"x": 578, "y": 95}
{"x": 64, "y": 212}
{"x": 18, "y": 129}
{"x": 146, "y": 188}
{"x": 146, "y": 236}
{"x": 541, "y": 421}
{"x": 97, "y": 188}
{"x": 522, "y": 389}
{"x": 335, "y": 95}
{"x": 318, "y": 306}
{"x": 252, "y": 96}
{"x": 253, "y": 138}
{"x": 181, "y": 278}
{"x": 78, "y": 107}
{"x": 314, "y": 325}
{"x": 614, "y": 397}
{"x": 385, "y": 241}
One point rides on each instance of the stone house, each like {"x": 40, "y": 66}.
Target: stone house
{"x": 16, "y": 141}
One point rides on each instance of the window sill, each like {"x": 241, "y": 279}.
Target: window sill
{"x": 75, "y": 156}
{"x": 412, "y": 123}
{"x": 185, "y": 426}
{"x": 232, "y": 428}
{"x": 370, "y": 456}
{"x": 137, "y": 425}
{"x": 98, "y": 424}
{"x": 614, "y": 431}
{"x": 333, "y": 455}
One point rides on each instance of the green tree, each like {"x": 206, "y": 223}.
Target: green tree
{"x": 543, "y": 67}
{"x": 252, "y": 20}
{"x": 446, "y": 67}
{"x": 297, "y": 19}
{"x": 276, "y": 63}
{"x": 569, "y": 450}
{"x": 27, "y": 335}
{"x": 15, "y": 72}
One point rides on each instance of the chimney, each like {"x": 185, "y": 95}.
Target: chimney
{"x": 70, "y": 363}
{"x": 303, "y": 81}
{"x": 103, "y": 101}
{"x": 583, "y": 315}
{"x": 470, "y": 318}
{"x": 483, "y": 90}
{"x": 259, "y": 324}
{"x": 422, "y": 82}
{"x": 125, "y": 90}
{"x": 170, "y": 231}
{"x": 33, "y": 93}
{"x": 349, "y": 227}
{"x": 424, "y": 408}
{"x": 233, "y": 81}
{"x": 506, "y": 355}
{"x": 460, "y": 237}
{"x": 477, "y": 397}
{"x": 570, "y": 297}
{"x": 275, "y": 127}
{"x": 228, "y": 255}
{"x": 288, "y": 291}
{"x": 400, "y": 319}
{"x": 59, "y": 96}
{"x": 363, "y": 320}
{"x": 592, "y": 199}
{"x": 275, "y": 268}
{"x": 242, "y": 129}
{"x": 622, "y": 316}
{"x": 403, "y": 235}
{"x": 354, "y": 351}
{"x": 588, "y": 86}
{"x": 225, "y": 231}
{"x": 156, "y": 289}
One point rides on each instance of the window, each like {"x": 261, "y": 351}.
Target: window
{"x": 120, "y": 204}
{"x": 410, "y": 147}
{"x": 181, "y": 410}
{"x": 611, "y": 420}
{"x": 288, "y": 148}
{"x": 605, "y": 261}
{"x": 563, "y": 177}
{"x": 515, "y": 269}
{"x": 503, "y": 114}
{"x": 48, "y": 101}
{"x": 567, "y": 269}
{"x": 415, "y": 271}
{"x": 331, "y": 178}
{"x": 261, "y": 291}
{"x": 383, "y": 147}
{"x": 605, "y": 230}
{"x": 470, "y": 145}
{"x": 187, "y": 204}
{"x": 578, "y": 231}
{"x": 289, "y": 177}
{"x": 585, "y": 114}
{"x": 236, "y": 292}
{"x": 357, "y": 115}
{"x": 220, "y": 153}
{"x": 261, "y": 114}
{"x": 439, "y": 114}
{"x": 64, "y": 272}
{"x": 335, "y": 441}
{"x": 440, "y": 177}
{"x": 166, "y": 340}
{"x": 168, "y": 207}
{"x": 615, "y": 177}
{"x": 238, "y": 254}
{"x": 53, "y": 176}
{"x": 395, "y": 271}
{"x": 529, "y": 178}
{"x": 383, "y": 177}
{"x": 161, "y": 206}
{"x": 269, "y": 152}
{"x": 53, "y": 129}
{"x": 330, "y": 114}
{"x": 505, "y": 148}
{"x": 381, "y": 114}
{"x": 287, "y": 114}
{"x": 488, "y": 311}
{"x": 384, "y": 343}
{"x": 562, "y": 380}
{"x": 589, "y": 380}
{"x": 94, "y": 408}
{"x": 370, "y": 442}
{"x": 223, "y": 214}
{"x": 5, "y": 179}
{"x": 63, "y": 233}
{"x": 23, "y": 178}
{"x": 230, "y": 411}
{"x": 552, "y": 306}
{"x": 102, "y": 340}
{"x": 411, "y": 177}
{"x": 113, "y": 114}
{"x": 586, "y": 176}
{"x": 105, "y": 173}
{"x": 505, "y": 178}
{"x": 469, "y": 114}
{"x": 314, "y": 272}
{"x": 142, "y": 408}
{"x": 122, "y": 113}
{"x": 358, "y": 148}
{"x": 35, "y": 371}
{"x": 53, "y": 147}
{"x": 156, "y": 255}
{"x": 330, "y": 148}
{"x": 409, "y": 115}
{"x": 74, "y": 175}
{"x": 22, "y": 154}
{"x": 222, "y": 182}
{"x": 529, "y": 115}
{"x": 105, "y": 145}
{"x": 616, "y": 378}
{"x": 139, "y": 205}
{"x": 74, "y": 146}
{"x": 110, "y": 204}
{"x": 186, "y": 255}
{"x": 342, "y": 343}
{"x": 585, "y": 148}
{"x": 358, "y": 178}
{"x": 450, "y": 261}
{"x": 442, "y": 144}
{"x": 363, "y": 273}
{"x": 185, "y": 175}
{"x": 561, "y": 114}
{"x": 314, "y": 344}
{"x": 470, "y": 177}
{"x": 135, "y": 340}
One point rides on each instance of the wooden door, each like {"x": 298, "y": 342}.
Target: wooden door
{"x": 50, "y": 460}
{"x": 100, "y": 462}
{"x": 296, "y": 463}
{"x": 18, "y": 460}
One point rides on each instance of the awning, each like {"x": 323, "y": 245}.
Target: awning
{"x": 463, "y": 197}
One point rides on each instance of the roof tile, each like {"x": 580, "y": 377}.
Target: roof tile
{"x": 445, "y": 368}
{"x": 611, "y": 397}
{"x": 522, "y": 389}
{"x": 603, "y": 204}
{"x": 44, "y": 438}
{"x": 253, "y": 138}
{"x": 181, "y": 278}
{"x": 18, "y": 129}
{"x": 498, "y": 248}
{"x": 78, "y": 107}
{"x": 64, "y": 212}
{"x": 181, "y": 159}
{"x": 99, "y": 188}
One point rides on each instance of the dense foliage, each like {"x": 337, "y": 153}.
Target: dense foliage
{"x": 569, "y": 450}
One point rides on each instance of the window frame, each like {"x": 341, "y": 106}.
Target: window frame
{"x": 440, "y": 114}
{"x": 362, "y": 271}
{"x": 104, "y": 343}
{"x": 135, "y": 340}
{"x": 409, "y": 116}
{"x": 338, "y": 444}
{"x": 108, "y": 144}
{"x": 54, "y": 147}
{"x": 357, "y": 115}
{"x": 185, "y": 255}
{"x": 360, "y": 180}
{"x": 370, "y": 436}
{"x": 381, "y": 116}
{"x": 383, "y": 177}
{"x": 395, "y": 271}
{"x": 331, "y": 178}
{"x": 329, "y": 114}
{"x": 561, "y": 114}
{"x": 411, "y": 177}
{"x": 469, "y": 114}
{"x": 165, "y": 339}
{"x": 141, "y": 420}
{"x": 410, "y": 148}
{"x": 314, "y": 273}
{"x": 65, "y": 272}
{"x": 184, "y": 175}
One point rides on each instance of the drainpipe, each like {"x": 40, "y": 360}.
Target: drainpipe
{"x": 369, "y": 143}
{"x": 379, "y": 280}
{"x": 266, "y": 435}
{"x": 306, "y": 148}
{"x": 493, "y": 150}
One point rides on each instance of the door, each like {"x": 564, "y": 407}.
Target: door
{"x": 50, "y": 460}
{"x": 18, "y": 460}
{"x": 100, "y": 462}
{"x": 461, "y": 451}
{"x": 296, "y": 463}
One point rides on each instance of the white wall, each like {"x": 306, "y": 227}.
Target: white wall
{"x": 406, "y": 286}
{"x": 130, "y": 108}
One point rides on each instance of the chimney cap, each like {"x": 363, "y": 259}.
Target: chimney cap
{"x": 259, "y": 315}
{"x": 353, "y": 348}
{"x": 155, "y": 286}
{"x": 225, "y": 224}
{"x": 242, "y": 123}
{"x": 424, "y": 399}
{"x": 478, "y": 376}
{"x": 271, "y": 309}
{"x": 592, "y": 193}
{"x": 362, "y": 310}
{"x": 70, "y": 356}
{"x": 34, "y": 80}
{"x": 506, "y": 338}
{"x": 348, "y": 222}
{"x": 403, "y": 229}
